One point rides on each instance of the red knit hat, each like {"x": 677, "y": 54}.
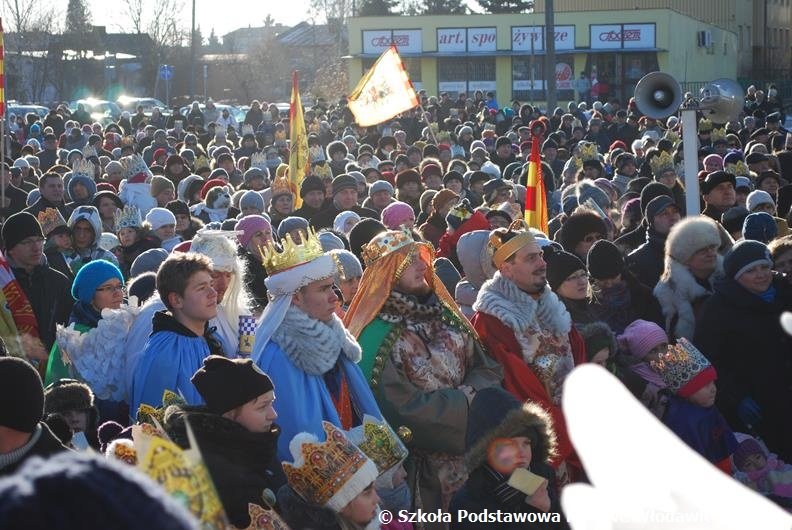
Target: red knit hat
{"x": 211, "y": 184}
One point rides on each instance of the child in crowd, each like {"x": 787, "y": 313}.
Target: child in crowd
{"x": 641, "y": 343}
{"x": 181, "y": 338}
{"x": 133, "y": 235}
{"x": 691, "y": 413}
{"x": 762, "y": 471}
{"x": 234, "y": 431}
{"x": 600, "y": 343}
{"x": 58, "y": 243}
{"x": 74, "y": 402}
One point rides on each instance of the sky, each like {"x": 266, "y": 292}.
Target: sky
{"x": 224, "y": 15}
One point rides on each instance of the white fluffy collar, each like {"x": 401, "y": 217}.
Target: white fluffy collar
{"x": 313, "y": 345}
{"x": 501, "y": 298}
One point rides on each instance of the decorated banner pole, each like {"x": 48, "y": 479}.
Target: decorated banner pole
{"x": 536, "y": 195}
{"x": 298, "y": 146}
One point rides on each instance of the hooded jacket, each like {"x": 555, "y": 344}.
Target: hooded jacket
{"x": 80, "y": 257}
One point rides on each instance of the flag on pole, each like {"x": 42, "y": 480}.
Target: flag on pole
{"x": 383, "y": 92}
{"x": 536, "y": 196}
{"x": 299, "y": 164}
{"x": 2, "y": 72}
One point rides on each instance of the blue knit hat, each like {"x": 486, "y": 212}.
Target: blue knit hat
{"x": 743, "y": 256}
{"x": 92, "y": 276}
{"x": 760, "y": 226}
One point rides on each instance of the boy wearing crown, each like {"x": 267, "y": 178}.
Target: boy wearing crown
{"x": 181, "y": 338}
{"x": 691, "y": 413}
{"x": 58, "y": 243}
{"x": 304, "y": 346}
{"x": 422, "y": 358}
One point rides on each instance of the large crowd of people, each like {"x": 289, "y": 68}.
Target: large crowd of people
{"x": 386, "y": 332}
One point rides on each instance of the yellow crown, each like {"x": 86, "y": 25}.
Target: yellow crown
{"x": 385, "y": 243}
{"x": 740, "y": 169}
{"x": 50, "y": 219}
{"x": 323, "y": 171}
{"x": 324, "y": 467}
{"x": 147, "y": 413}
{"x": 704, "y": 125}
{"x": 588, "y": 151}
{"x": 281, "y": 186}
{"x": 662, "y": 163}
{"x": 500, "y": 250}
{"x": 201, "y": 162}
{"x": 718, "y": 134}
{"x": 672, "y": 136}
{"x": 378, "y": 441}
{"x": 275, "y": 261}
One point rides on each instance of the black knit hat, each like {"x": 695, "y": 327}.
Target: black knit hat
{"x": 178, "y": 207}
{"x": 605, "y": 261}
{"x": 18, "y": 227}
{"x": 311, "y": 183}
{"x": 651, "y": 191}
{"x": 453, "y": 175}
{"x": 657, "y": 205}
{"x": 21, "y": 395}
{"x": 362, "y": 234}
{"x": 560, "y": 265}
{"x": 343, "y": 182}
{"x": 226, "y": 384}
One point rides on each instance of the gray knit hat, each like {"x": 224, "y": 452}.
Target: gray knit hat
{"x": 291, "y": 223}
{"x": 252, "y": 199}
{"x": 349, "y": 264}
{"x": 381, "y": 185}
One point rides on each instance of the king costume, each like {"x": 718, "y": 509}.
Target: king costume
{"x": 423, "y": 361}
{"x": 312, "y": 363}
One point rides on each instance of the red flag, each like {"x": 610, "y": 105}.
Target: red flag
{"x": 536, "y": 196}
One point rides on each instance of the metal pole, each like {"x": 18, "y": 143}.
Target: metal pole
{"x": 532, "y": 70}
{"x": 192, "y": 56}
{"x": 550, "y": 58}
{"x": 690, "y": 141}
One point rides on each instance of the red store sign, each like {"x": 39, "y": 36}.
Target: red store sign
{"x": 622, "y": 36}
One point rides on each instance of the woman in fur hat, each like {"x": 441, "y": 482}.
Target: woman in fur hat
{"x": 692, "y": 265}
{"x": 504, "y": 440}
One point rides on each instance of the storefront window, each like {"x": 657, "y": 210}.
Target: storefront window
{"x": 521, "y": 78}
{"x": 616, "y": 74}
{"x": 466, "y": 74}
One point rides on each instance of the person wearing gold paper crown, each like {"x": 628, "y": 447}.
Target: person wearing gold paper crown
{"x": 423, "y": 360}
{"x": 529, "y": 331}
{"x": 304, "y": 346}
{"x": 330, "y": 483}
{"x": 664, "y": 172}
{"x": 691, "y": 413}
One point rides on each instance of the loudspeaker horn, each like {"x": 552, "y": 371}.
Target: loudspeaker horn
{"x": 658, "y": 95}
{"x": 721, "y": 100}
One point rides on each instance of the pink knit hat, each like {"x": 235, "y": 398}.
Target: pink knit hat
{"x": 715, "y": 160}
{"x": 396, "y": 214}
{"x": 249, "y": 225}
{"x": 641, "y": 336}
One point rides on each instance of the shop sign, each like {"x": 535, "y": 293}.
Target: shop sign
{"x": 522, "y": 35}
{"x": 406, "y": 40}
{"x": 452, "y": 40}
{"x": 617, "y": 36}
{"x": 482, "y": 39}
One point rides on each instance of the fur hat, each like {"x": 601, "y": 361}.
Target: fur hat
{"x": 597, "y": 336}
{"x": 582, "y": 222}
{"x": 160, "y": 184}
{"x": 691, "y": 235}
{"x": 67, "y": 395}
{"x": 494, "y": 413}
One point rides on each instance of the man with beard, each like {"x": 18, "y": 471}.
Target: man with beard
{"x": 422, "y": 358}
{"x": 528, "y": 330}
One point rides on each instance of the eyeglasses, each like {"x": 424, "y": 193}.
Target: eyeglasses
{"x": 32, "y": 241}
{"x": 593, "y": 238}
{"x": 111, "y": 289}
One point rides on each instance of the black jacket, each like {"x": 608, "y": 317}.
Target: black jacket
{"x": 16, "y": 200}
{"x": 742, "y": 337}
{"x": 326, "y": 217}
{"x": 47, "y": 445}
{"x": 49, "y": 294}
{"x": 254, "y": 281}
{"x": 242, "y": 464}
{"x": 647, "y": 261}
{"x": 631, "y": 240}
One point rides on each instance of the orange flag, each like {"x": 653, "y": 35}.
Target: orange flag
{"x": 536, "y": 196}
{"x": 383, "y": 92}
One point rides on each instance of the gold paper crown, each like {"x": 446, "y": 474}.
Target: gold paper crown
{"x": 263, "y": 519}
{"x": 576, "y": 162}
{"x": 718, "y": 134}
{"x": 588, "y": 151}
{"x": 322, "y": 171}
{"x": 83, "y": 168}
{"x": 129, "y": 217}
{"x": 672, "y": 136}
{"x": 292, "y": 254}
{"x": 385, "y": 243}
{"x": 500, "y": 250}
{"x": 680, "y": 364}
{"x": 50, "y": 219}
{"x": 200, "y": 163}
{"x": 325, "y": 466}
{"x": 740, "y": 169}
{"x": 281, "y": 186}
{"x": 148, "y": 414}
{"x": 662, "y": 163}
{"x": 704, "y": 125}
{"x": 258, "y": 160}
{"x": 443, "y": 137}
{"x": 378, "y": 441}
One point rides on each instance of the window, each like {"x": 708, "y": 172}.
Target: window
{"x": 465, "y": 74}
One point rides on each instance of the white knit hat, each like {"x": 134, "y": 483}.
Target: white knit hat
{"x": 159, "y": 217}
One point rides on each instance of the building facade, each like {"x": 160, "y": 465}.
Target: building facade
{"x": 505, "y": 53}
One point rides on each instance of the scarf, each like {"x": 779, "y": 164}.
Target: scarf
{"x": 16, "y": 302}
{"x": 85, "y": 314}
{"x": 615, "y": 306}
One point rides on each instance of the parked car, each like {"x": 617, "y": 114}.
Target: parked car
{"x": 101, "y": 110}
{"x": 21, "y": 110}
{"x": 131, "y": 103}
